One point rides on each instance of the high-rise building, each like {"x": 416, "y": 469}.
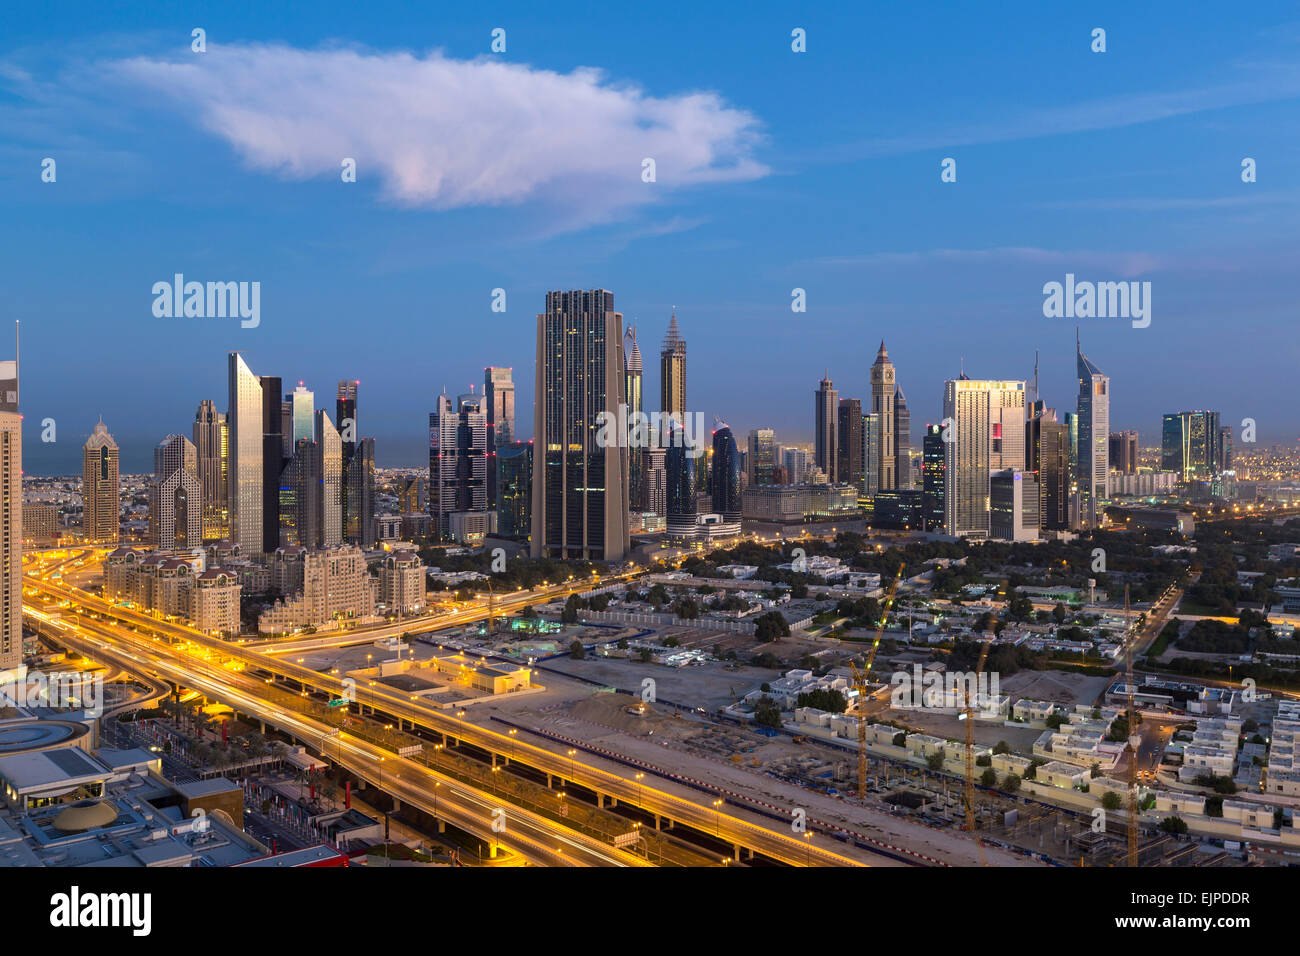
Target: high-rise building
{"x": 212, "y": 444}
{"x": 1225, "y": 448}
{"x": 1094, "y": 440}
{"x": 795, "y": 462}
{"x": 656, "y": 482}
{"x": 869, "y": 441}
{"x": 458, "y": 463}
{"x": 761, "y": 460}
{"x": 499, "y": 408}
{"x": 680, "y": 467}
{"x": 328, "y": 467}
{"x": 1190, "y": 445}
{"x": 1013, "y": 506}
{"x": 1047, "y": 457}
{"x": 579, "y": 488}
{"x": 632, "y": 381}
{"x": 849, "y": 447}
{"x": 514, "y": 488}
{"x": 902, "y": 441}
{"x": 11, "y": 520}
{"x": 882, "y": 406}
{"x": 244, "y": 419}
{"x": 175, "y": 495}
{"x": 302, "y": 414}
{"x": 359, "y": 496}
{"x": 272, "y": 459}
{"x": 345, "y": 417}
{"x": 1124, "y": 452}
{"x": 725, "y": 483}
{"x": 300, "y": 491}
{"x": 987, "y": 431}
{"x": 672, "y": 373}
{"x": 825, "y": 438}
{"x": 933, "y": 470}
{"x": 100, "y": 487}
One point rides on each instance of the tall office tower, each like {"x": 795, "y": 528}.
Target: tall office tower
{"x": 1047, "y": 456}
{"x": 849, "y": 448}
{"x": 1124, "y": 452}
{"x": 244, "y": 419}
{"x": 499, "y": 406}
{"x": 302, "y": 415}
{"x": 656, "y": 482}
{"x": 933, "y": 469}
{"x": 795, "y": 462}
{"x": 672, "y": 373}
{"x": 286, "y": 428}
{"x": 173, "y": 452}
{"x": 882, "y": 406}
{"x": 825, "y": 438}
{"x": 514, "y": 488}
{"x": 100, "y": 488}
{"x": 680, "y": 467}
{"x": 1094, "y": 435}
{"x": 579, "y": 488}
{"x": 632, "y": 380}
{"x": 212, "y": 444}
{"x": 869, "y": 441}
{"x": 760, "y": 461}
{"x": 458, "y": 462}
{"x": 11, "y": 520}
{"x": 345, "y": 420}
{"x": 725, "y": 483}
{"x": 1013, "y": 506}
{"x": 175, "y": 495}
{"x": 902, "y": 441}
{"x": 272, "y": 459}
{"x": 328, "y": 469}
{"x": 1190, "y": 445}
{"x": 987, "y": 423}
{"x": 359, "y": 496}
{"x": 1072, "y": 448}
{"x": 300, "y": 489}
{"x": 1225, "y": 447}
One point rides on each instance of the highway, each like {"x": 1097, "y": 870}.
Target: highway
{"x": 706, "y": 818}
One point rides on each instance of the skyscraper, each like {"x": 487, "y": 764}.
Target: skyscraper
{"x": 302, "y": 413}
{"x": 328, "y": 468}
{"x": 849, "y": 442}
{"x": 725, "y": 484}
{"x": 579, "y": 488}
{"x": 11, "y": 520}
{"x": 632, "y": 379}
{"x": 656, "y": 482}
{"x": 902, "y": 440}
{"x": 1013, "y": 505}
{"x": 987, "y": 431}
{"x": 795, "y": 462}
{"x": 272, "y": 459}
{"x": 1047, "y": 458}
{"x": 1094, "y": 439}
{"x": 882, "y": 406}
{"x": 100, "y": 488}
{"x": 212, "y": 444}
{"x": 1190, "y": 445}
{"x": 359, "y": 496}
{"x": 175, "y": 495}
{"x": 672, "y": 373}
{"x": 761, "y": 460}
{"x": 514, "y": 488}
{"x": 869, "y": 430}
{"x": 458, "y": 463}
{"x": 825, "y": 443}
{"x": 499, "y": 407}
{"x": 244, "y": 418}
{"x": 1225, "y": 447}
{"x": 933, "y": 469}
{"x": 680, "y": 467}
{"x": 1124, "y": 452}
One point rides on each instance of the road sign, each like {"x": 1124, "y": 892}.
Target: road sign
{"x": 627, "y": 839}
{"x": 340, "y": 702}
{"x": 410, "y": 751}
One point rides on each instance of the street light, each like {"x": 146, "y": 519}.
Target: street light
{"x": 717, "y": 809}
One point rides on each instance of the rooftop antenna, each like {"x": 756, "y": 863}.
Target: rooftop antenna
{"x": 1035, "y": 376}
{"x": 17, "y": 377}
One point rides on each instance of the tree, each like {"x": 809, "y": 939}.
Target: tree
{"x": 935, "y": 760}
{"x": 989, "y": 777}
{"x": 1011, "y": 783}
{"x": 767, "y": 713}
{"x": 687, "y": 609}
{"x": 900, "y": 739}
{"x": 645, "y": 654}
{"x": 771, "y": 626}
{"x": 576, "y": 650}
{"x": 1174, "y": 825}
{"x": 1002, "y": 747}
{"x": 1059, "y": 613}
{"x": 570, "y": 613}
{"x": 1110, "y": 800}
{"x": 672, "y": 641}
{"x": 831, "y": 701}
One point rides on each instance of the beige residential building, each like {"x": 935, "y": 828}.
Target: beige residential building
{"x": 11, "y": 520}
{"x": 335, "y": 585}
{"x": 401, "y": 583}
{"x": 40, "y": 525}
{"x": 100, "y": 487}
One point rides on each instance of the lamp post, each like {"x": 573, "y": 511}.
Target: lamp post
{"x": 717, "y": 811}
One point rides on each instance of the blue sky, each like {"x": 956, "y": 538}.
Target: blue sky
{"x": 775, "y": 170}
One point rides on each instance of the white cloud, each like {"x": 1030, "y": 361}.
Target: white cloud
{"x": 444, "y": 133}
{"x": 1127, "y": 264}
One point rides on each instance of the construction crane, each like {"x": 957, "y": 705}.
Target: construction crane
{"x": 1128, "y": 745}
{"x": 860, "y": 685}
{"x": 969, "y": 717}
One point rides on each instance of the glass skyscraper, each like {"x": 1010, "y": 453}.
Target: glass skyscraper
{"x": 726, "y": 474}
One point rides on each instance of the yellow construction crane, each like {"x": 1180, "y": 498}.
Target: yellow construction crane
{"x": 970, "y": 754}
{"x": 860, "y": 685}
{"x": 1128, "y": 745}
